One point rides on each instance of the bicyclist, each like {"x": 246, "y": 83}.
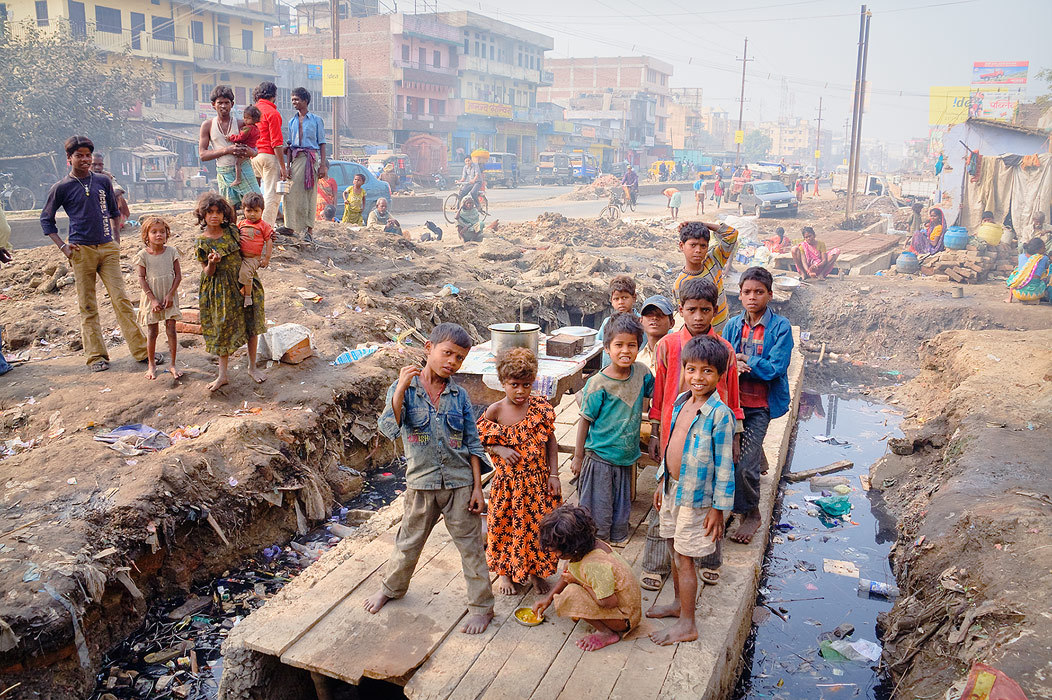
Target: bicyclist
{"x": 470, "y": 181}
{"x": 630, "y": 183}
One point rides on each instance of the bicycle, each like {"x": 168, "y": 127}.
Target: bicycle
{"x": 617, "y": 206}
{"x": 451, "y": 206}
{"x": 15, "y": 197}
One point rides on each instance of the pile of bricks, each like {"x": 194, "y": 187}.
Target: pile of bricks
{"x": 960, "y": 266}
{"x": 190, "y": 323}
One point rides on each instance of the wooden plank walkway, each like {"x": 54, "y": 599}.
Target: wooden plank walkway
{"x": 416, "y": 641}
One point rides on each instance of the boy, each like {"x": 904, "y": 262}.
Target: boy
{"x": 657, "y": 319}
{"x": 93, "y": 250}
{"x": 763, "y": 341}
{"x": 701, "y": 260}
{"x": 248, "y": 136}
{"x": 354, "y": 202}
{"x": 699, "y": 196}
{"x": 443, "y": 473}
{"x": 695, "y": 483}
{"x": 608, "y": 431}
{"x": 622, "y": 299}
{"x": 698, "y": 299}
{"x": 256, "y": 242}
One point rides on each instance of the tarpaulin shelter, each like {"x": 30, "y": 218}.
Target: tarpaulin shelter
{"x": 997, "y": 167}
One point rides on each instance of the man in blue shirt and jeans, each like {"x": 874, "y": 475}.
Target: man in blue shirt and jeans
{"x": 93, "y": 249}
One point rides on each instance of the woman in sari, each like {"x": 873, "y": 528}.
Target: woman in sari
{"x": 1029, "y": 281}
{"x": 929, "y": 240}
{"x": 326, "y": 198}
{"x": 811, "y": 257}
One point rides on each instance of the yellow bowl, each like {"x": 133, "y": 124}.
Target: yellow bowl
{"x": 525, "y": 616}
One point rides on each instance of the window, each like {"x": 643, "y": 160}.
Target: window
{"x": 405, "y": 52}
{"x": 478, "y": 48}
{"x": 246, "y": 39}
{"x": 400, "y": 103}
{"x": 163, "y": 29}
{"x": 491, "y": 52}
{"x": 409, "y": 105}
{"x": 421, "y": 57}
{"x": 41, "y": 13}
{"x": 437, "y": 106}
{"x": 197, "y": 31}
{"x": 166, "y": 93}
{"x": 467, "y": 43}
{"x": 138, "y": 27}
{"x": 78, "y": 25}
{"x": 438, "y": 59}
{"x": 107, "y": 19}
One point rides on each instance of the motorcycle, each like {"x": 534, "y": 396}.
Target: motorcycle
{"x": 440, "y": 181}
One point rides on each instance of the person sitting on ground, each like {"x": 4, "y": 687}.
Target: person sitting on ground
{"x": 247, "y": 136}
{"x": 443, "y": 473}
{"x": 470, "y": 223}
{"x": 379, "y": 216}
{"x": 1040, "y": 230}
{"x": 779, "y": 242}
{"x": 326, "y": 205}
{"x": 519, "y": 433}
{"x": 695, "y": 482}
{"x": 354, "y": 202}
{"x": 1029, "y": 281}
{"x": 989, "y": 231}
{"x": 929, "y": 239}
{"x": 811, "y": 257}
{"x": 596, "y": 586}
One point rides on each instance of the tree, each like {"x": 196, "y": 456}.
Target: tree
{"x": 56, "y": 84}
{"x": 757, "y": 145}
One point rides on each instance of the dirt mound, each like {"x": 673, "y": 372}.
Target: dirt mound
{"x": 556, "y": 228}
{"x": 599, "y": 188}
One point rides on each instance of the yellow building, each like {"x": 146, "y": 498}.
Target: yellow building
{"x": 198, "y": 44}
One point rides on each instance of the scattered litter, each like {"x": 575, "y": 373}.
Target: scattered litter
{"x": 877, "y": 588}
{"x": 134, "y": 439}
{"x": 834, "y": 506}
{"x": 232, "y": 481}
{"x": 987, "y": 683}
{"x": 840, "y": 568}
{"x": 449, "y": 290}
{"x": 948, "y": 580}
{"x": 72, "y": 481}
{"x": 188, "y": 432}
{"x": 842, "y": 489}
{"x": 993, "y": 357}
{"x": 32, "y": 573}
{"x": 861, "y": 650}
{"x": 842, "y": 631}
{"x": 829, "y": 440}
{"x": 308, "y": 295}
{"x": 864, "y": 480}
{"x": 350, "y": 356}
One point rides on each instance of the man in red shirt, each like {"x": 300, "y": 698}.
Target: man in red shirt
{"x": 269, "y": 164}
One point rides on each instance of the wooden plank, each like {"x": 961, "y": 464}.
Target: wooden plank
{"x": 350, "y": 643}
{"x": 828, "y": 469}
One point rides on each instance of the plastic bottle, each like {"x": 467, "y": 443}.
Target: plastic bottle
{"x": 877, "y": 588}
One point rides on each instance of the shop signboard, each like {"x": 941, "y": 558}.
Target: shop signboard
{"x": 488, "y": 109}
{"x": 948, "y": 104}
{"x": 588, "y": 132}
{"x": 333, "y": 80}
{"x": 313, "y": 71}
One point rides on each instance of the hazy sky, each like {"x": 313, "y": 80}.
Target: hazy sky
{"x": 811, "y": 43}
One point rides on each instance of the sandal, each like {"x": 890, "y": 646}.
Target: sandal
{"x": 158, "y": 360}
{"x": 710, "y": 577}
{"x": 650, "y": 582}
{"x": 99, "y": 366}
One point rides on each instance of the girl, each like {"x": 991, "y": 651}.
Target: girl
{"x": 596, "y": 586}
{"x": 1029, "y": 282}
{"x": 519, "y": 431}
{"x": 929, "y": 239}
{"x": 159, "y": 277}
{"x": 226, "y": 323}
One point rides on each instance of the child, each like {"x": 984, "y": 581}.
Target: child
{"x": 1029, "y": 282}
{"x": 354, "y": 202}
{"x": 596, "y": 586}
{"x": 701, "y": 260}
{"x": 443, "y": 473}
{"x": 622, "y": 299}
{"x": 248, "y": 136}
{"x": 256, "y": 237}
{"x": 611, "y": 411}
{"x": 763, "y": 341}
{"x": 159, "y": 277}
{"x": 695, "y": 483}
{"x": 811, "y": 257}
{"x": 657, "y": 319}
{"x": 717, "y": 191}
{"x": 699, "y": 196}
{"x": 218, "y": 249}
{"x": 519, "y": 430}
{"x": 697, "y": 305}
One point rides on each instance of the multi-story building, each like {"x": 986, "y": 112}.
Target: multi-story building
{"x": 614, "y": 127}
{"x": 629, "y": 75}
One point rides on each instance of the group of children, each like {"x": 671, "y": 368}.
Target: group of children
{"x": 707, "y": 399}
{"x": 231, "y": 296}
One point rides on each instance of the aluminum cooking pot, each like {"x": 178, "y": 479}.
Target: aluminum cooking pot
{"x": 514, "y": 335}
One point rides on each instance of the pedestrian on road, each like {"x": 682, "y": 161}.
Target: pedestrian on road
{"x": 269, "y": 164}
{"x": 305, "y": 136}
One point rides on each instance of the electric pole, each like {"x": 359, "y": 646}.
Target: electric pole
{"x": 741, "y": 103}
{"x": 857, "y": 108}
{"x": 818, "y": 145}
{"x": 334, "y": 9}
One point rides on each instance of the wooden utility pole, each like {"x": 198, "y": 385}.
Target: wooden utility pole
{"x": 818, "y": 145}
{"x": 856, "y": 111}
{"x": 334, "y": 25}
{"x": 741, "y": 103}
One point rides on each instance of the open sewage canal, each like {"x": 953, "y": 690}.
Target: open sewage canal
{"x": 809, "y": 603}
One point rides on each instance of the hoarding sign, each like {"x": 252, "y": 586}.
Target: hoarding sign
{"x": 997, "y": 89}
{"x": 948, "y": 104}
{"x": 1000, "y": 72}
{"x": 739, "y": 136}
{"x": 313, "y": 71}
{"x": 333, "y": 80}
{"x": 488, "y": 109}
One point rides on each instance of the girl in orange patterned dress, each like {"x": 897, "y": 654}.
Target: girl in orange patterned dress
{"x": 519, "y": 432}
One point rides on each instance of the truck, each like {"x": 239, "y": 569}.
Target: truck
{"x": 867, "y": 184}
{"x": 916, "y": 188}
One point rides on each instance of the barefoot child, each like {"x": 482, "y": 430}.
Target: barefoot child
{"x": 519, "y": 430}
{"x": 700, "y": 259}
{"x": 763, "y": 341}
{"x": 596, "y": 586}
{"x": 443, "y": 473}
{"x": 159, "y": 277}
{"x": 257, "y": 240}
{"x": 695, "y": 482}
{"x": 226, "y": 323}
{"x": 608, "y": 431}
{"x": 248, "y": 136}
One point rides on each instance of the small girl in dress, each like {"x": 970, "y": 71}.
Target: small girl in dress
{"x": 596, "y": 586}
{"x": 519, "y": 432}
{"x": 159, "y": 277}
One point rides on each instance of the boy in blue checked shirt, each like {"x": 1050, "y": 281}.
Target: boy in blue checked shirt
{"x": 443, "y": 476}
{"x": 695, "y": 482}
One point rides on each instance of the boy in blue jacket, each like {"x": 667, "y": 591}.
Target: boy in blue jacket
{"x": 763, "y": 345}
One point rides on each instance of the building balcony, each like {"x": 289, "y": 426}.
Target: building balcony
{"x": 425, "y": 67}
{"x": 427, "y": 123}
{"x": 227, "y": 58}
{"x": 503, "y": 70}
{"x": 141, "y": 43}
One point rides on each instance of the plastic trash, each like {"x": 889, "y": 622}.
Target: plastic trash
{"x": 354, "y": 355}
{"x": 139, "y": 435}
{"x": 842, "y": 489}
{"x": 834, "y": 506}
{"x": 877, "y": 588}
{"x": 987, "y": 683}
{"x": 449, "y": 290}
{"x": 825, "y": 648}
{"x": 861, "y": 650}
{"x": 280, "y": 339}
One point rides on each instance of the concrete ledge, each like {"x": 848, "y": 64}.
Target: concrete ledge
{"x": 416, "y": 202}
{"x": 708, "y": 668}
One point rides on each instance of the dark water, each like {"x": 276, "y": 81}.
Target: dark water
{"x": 233, "y": 596}
{"x": 783, "y": 658}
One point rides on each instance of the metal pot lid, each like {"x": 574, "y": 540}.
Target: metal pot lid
{"x": 575, "y": 330}
{"x": 514, "y": 327}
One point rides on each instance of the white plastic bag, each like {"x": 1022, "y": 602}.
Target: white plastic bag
{"x": 280, "y": 339}
{"x": 748, "y": 228}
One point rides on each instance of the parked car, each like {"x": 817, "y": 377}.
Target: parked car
{"x": 343, "y": 172}
{"x": 501, "y": 169}
{"x": 761, "y": 197}
{"x": 553, "y": 168}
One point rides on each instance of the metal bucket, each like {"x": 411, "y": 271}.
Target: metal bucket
{"x": 514, "y": 335}
{"x": 284, "y": 186}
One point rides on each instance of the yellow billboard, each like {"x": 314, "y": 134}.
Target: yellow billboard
{"x": 948, "y": 104}
{"x": 333, "y": 82}
{"x": 488, "y": 109}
